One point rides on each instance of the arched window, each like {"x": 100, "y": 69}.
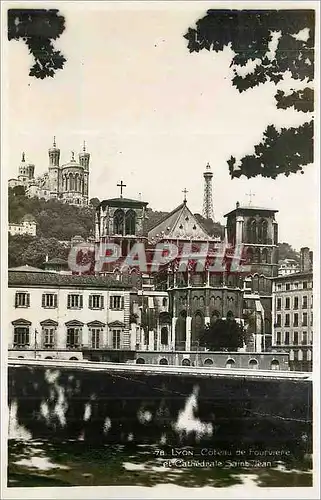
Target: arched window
{"x": 264, "y": 256}
{"x": 251, "y": 231}
{"x": 130, "y": 222}
{"x": 163, "y": 361}
{"x": 180, "y": 331}
{"x": 275, "y": 365}
{"x": 164, "y": 335}
{"x": 198, "y": 325}
{"x": 20, "y": 357}
{"x": 118, "y": 222}
{"x": 249, "y": 255}
{"x": 253, "y": 364}
{"x": 257, "y": 255}
{"x": 208, "y": 362}
{"x": 264, "y": 231}
{"x": 230, "y": 363}
{"x": 49, "y": 357}
{"x": 164, "y": 302}
{"x": 73, "y": 358}
{"x": 215, "y": 316}
{"x": 186, "y": 362}
{"x": 229, "y": 315}
{"x": 140, "y": 361}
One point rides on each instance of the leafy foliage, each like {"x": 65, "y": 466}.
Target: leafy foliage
{"x": 287, "y": 252}
{"x": 37, "y": 28}
{"x": 25, "y": 249}
{"x": 54, "y": 218}
{"x": 249, "y": 34}
{"x": 213, "y": 228}
{"x": 223, "y": 335}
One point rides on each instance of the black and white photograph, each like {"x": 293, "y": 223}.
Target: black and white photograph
{"x": 160, "y": 249}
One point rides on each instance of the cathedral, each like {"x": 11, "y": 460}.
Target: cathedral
{"x": 67, "y": 182}
{"x": 174, "y": 305}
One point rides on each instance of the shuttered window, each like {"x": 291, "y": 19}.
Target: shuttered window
{"x": 49, "y": 300}
{"x": 22, "y": 299}
{"x": 116, "y": 302}
{"x": 75, "y": 301}
{"x": 96, "y": 302}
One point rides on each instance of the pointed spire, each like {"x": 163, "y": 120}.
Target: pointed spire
{"x": 54, "y": 141}
{"x": 23, "y": 157}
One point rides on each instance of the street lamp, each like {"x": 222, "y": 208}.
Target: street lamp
{"x": 36, "y": 332}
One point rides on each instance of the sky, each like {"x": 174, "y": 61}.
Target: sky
{"x": 152, "y": 114}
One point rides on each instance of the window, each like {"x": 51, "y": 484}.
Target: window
{"x": 311, "y": 301}
{"x": 279, "y": 286}
{"x": 95, "y": 338}
{"x": 287, "y": 286}
{"x": 164, "y": 335}
{"x": 275, "y": 365}
{"x": 305, "y": 285}
{"x": 296, "y": 286}
{"x": 304, "y": 338}
{"x": 311, "y": 318}
{"x": 140, "y": 361}
{"x": 116, "y": 302}
{"x": 278, "y": 338}
{"x": 278, "y": 304}
{"x": 278, "y": 320}
{"x": 287, "y": 303}
{"x": 116, "y": 339}
{"x": 21, "y": 337}
{"x": 49, "y": 300}
{"x": 230, "y": 363}
{"x": 296, "y": 303}
{"x": 208, "y": 361}
{"x": 96, "y": 302}
{"x": 253, "y": 364}
{"x": 48, "y": 333}
{"x": 287, "y": 320}
{"x": 163, "y": 361}
{"x": 164, "y": 302}
{"x": 73, "y": 337}
{"x": 186, "y": 362}
{"x": 305, "y": 319}
{"x": 295, "y": 338}
{"x": 296, "y": 319}
{"x": 286, "y": 338}
{"x": 311, "y": 338}
{"x": 304, "y": 302}
{"x": 22, "y": 299}
{"x": 75, "y": 301}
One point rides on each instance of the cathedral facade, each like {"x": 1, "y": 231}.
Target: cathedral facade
{"x": 67, "y": 182}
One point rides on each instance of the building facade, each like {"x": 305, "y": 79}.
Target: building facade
{"x": 293, "y": 314}
{"x": 67, "y": 182}
{"x": 58, "y": 316}
{"x": 27, "y": 225}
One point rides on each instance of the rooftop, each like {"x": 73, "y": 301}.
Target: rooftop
{"x": 122, "y": 202}
{"x": 301, "y": 274}
{"x": 250, "y": 208}
{"x": 45, "y": 278}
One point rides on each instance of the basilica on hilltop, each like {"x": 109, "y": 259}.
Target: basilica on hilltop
{"x": 67, "y": 182}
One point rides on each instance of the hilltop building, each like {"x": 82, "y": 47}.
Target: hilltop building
{"x": 67, "y": 182}
{"x": 27, "y": 225}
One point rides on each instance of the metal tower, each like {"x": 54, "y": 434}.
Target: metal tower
{"x": 208, "y": 211}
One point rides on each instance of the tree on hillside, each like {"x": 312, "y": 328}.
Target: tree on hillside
{"x": 213, "y": 228}
{"x": 249, "y": 34}
{"x": 36, "y": 252}
{"x": 94, "y": 202}
{"x": 37, "y": 28}
{"x": 287, "y": 252}
{"x": 223, "y": 335}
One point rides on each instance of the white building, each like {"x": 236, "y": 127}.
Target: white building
{"x": 288, "y": 266}
{"x": 27, "y": 225}
{"x": 58, "y": 316}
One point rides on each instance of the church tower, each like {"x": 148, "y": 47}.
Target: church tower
{"x": 84, "y": 158}
{"x": 26, "y": 170}
{"x": 54, "y": 171}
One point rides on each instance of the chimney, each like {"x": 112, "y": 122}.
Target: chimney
{"x": 305, "y": 260}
